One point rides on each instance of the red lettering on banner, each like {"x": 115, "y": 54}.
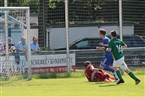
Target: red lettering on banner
{"x": 55, "y": 69}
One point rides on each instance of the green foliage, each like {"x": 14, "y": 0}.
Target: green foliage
{"x": 90, "y": 7}
{"x": 44, "y": 48}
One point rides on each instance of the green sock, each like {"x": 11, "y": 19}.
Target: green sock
{"x": 132, "y": 75}
{"x": 119, "y": 74}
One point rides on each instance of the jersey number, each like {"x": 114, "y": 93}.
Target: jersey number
{"x": 119, "y": 48}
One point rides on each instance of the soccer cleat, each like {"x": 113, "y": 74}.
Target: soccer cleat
{"x": 137, "y": 81}
{"x": 116, "y": 80}
{"x": 120, "y": 81}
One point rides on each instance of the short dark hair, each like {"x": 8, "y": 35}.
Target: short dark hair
{"x": 114, "y": 33}
{"x": 102, "y": 31}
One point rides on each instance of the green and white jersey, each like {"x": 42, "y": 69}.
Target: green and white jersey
{"x": 116, "y": 46}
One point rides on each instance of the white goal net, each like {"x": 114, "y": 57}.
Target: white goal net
{"x": 14, "y": 25}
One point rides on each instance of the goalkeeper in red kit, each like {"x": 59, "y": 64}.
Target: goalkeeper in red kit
{"x": 96, "y": 75}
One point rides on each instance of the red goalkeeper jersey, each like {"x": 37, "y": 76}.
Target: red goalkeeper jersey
{"x": 98, "y": 76}
{"x": 88, "y": 72}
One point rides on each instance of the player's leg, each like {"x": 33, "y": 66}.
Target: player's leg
{"x": 102, "y": 64}
{"x": 130, "y": 73}
{"x": 117, "y": 64}
{"x": 118, "y": 75}
{"x": 109, "y": 76}
{"x": 102, "y": 76}
{"x": 107, "y": 80}
{"x": 98, "y": 77}
{"x": 93, "y": 76}
{"x": 105, "y": 64}
{"x": 108, "y": 66}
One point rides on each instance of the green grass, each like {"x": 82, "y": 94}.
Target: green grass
{"x": 74, "y": 86}
{"x": 78, "y": 74}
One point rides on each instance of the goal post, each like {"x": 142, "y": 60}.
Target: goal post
{"x": 19, "y": 16}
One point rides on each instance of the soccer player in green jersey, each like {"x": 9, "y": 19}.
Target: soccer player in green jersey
{"x": 115, "y": 46}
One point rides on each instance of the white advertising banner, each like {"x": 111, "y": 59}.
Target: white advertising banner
{"x": 55, "y": 63}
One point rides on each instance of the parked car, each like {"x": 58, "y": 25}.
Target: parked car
{"x": 91, "y": 43}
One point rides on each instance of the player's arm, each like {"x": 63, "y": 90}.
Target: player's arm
{"x": 123, "y": 44}
{"x": 102, "y": 44}
{"x": 109, "y": 49}
{"x": 94, "y": 69}
{"x": 100, "y": 48}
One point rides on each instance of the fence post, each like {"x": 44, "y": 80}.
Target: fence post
{"x": 120, "y": 20}
{"x": 28, "y": 44}
{"x": 67, "y": 36}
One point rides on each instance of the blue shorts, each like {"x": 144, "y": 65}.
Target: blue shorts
{"x": 107, "y": 61}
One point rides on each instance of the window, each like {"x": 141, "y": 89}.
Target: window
{"x": 82, "y": 44}
{"x": 95, "y": 42}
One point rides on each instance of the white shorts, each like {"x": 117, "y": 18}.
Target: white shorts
{"x": 120, "y": 63}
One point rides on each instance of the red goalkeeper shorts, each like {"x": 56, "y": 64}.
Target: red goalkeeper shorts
{"x": 100, "y": 76}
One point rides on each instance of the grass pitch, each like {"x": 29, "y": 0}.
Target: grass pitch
{"x": 72, "y": 87}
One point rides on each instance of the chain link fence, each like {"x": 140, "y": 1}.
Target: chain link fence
{"x": 86, "y": 17}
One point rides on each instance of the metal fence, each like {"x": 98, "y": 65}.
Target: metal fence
{"x": 50, "y": 14}
{"x": 133, "y": 57}
{"x": 49, "y": 62}
{"x": 49, "y": 20}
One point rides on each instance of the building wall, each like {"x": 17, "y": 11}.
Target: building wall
{"x": 58, "y": 36}
{"x": 17, "y": 34}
